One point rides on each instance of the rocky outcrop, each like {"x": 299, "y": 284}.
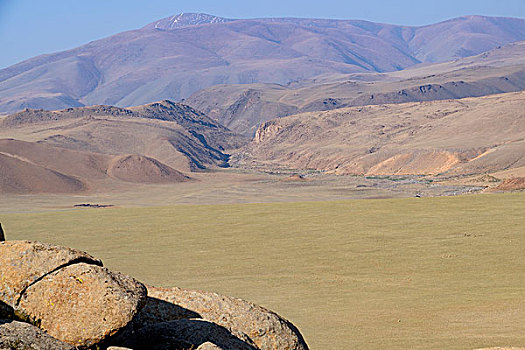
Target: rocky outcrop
{"x": 65, "y": 292}
{"x": 16, "y": 335}
{"x": 66, "y": 297}
{"x": 250, "y": 323}
{"x": 23, "y": 263}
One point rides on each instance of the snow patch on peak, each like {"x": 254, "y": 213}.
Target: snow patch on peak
{"x": 187, "y": 19}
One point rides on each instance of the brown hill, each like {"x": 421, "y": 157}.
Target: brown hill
{"x": 177, "y": 56}
{"x": 19, "y": 176}
{"x": 171, "y": 133}
{"x": 244, "y": 107}
{"x": 140, "y": 169}
{"x": 512, "y": 184}
{"x": 466, "y": 136}
{"x": 31, "y": 167}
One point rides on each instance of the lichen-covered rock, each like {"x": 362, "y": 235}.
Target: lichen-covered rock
{"x": 22, "y": 263}
{"x": 82, "y": 304}
{"x": 23, "y": 336}
{"x": 185, "y": 334}
{"x": 247, "y": 321}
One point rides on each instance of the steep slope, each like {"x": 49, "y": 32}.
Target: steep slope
{"x": 243, "y": 107}
{"x": 173, "y": 134}
{"x": 467, "y": 136}
{"x": 176, "y": 56}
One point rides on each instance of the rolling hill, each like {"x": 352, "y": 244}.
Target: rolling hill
{"x": 81, "y": 149}
{"x": 177, "y": 56}
{"x": 244, "y": 107}
{"x": 30, "y": 167}
{"x": 451, "y": 137}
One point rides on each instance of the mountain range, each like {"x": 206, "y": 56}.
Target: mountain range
{"x": 334, "y": 96}
{"x": 174, "y": 57}
{"x": 243, "y": 107}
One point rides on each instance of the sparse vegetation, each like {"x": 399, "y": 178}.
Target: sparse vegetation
{"x": 427, "y": 273}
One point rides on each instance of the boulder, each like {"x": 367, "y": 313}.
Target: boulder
{"x": 250, "y": 323}
{"x": 23, "y": 336}
{"x": 23, "y": 263}
{"x": 185, "y": 334}
{"x": 66, "y": 292}
{"x": 82, "y": 304}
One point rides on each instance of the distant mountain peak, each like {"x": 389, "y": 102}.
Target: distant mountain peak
{"x": 187, "y": 19}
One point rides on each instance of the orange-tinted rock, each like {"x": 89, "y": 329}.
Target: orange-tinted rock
{"x": 82, "y": 304}
{"x": 22, "y": 263}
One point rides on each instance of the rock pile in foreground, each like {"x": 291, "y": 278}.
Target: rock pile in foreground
{"x": 54, "y": 297}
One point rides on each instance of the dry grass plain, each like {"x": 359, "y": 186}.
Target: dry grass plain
{"x": 410, "y": 273}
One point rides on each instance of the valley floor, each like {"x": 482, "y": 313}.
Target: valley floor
{"x": 397, "y": 273}
{"x": 248, "y": 186}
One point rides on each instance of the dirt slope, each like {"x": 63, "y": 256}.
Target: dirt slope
{"x": 466, "y": 136}
{"x": 19, "y": 176}
{"x": 140, "y": 169}
{"x": 30, "y": 167}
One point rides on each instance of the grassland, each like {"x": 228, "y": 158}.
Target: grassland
{"x": 413, "y": 273}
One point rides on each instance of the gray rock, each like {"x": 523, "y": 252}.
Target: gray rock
{"x": 23, "y": 336}
{"x": 251, "y": 323}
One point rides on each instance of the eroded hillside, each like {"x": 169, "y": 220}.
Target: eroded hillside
{"x": 457, "y": 137}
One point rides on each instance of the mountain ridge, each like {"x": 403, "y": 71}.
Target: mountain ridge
{"x": 243, "y": 107}
{"x": 148, "y": 64}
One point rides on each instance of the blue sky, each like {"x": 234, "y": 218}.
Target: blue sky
{"x": 32, "y": 27}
